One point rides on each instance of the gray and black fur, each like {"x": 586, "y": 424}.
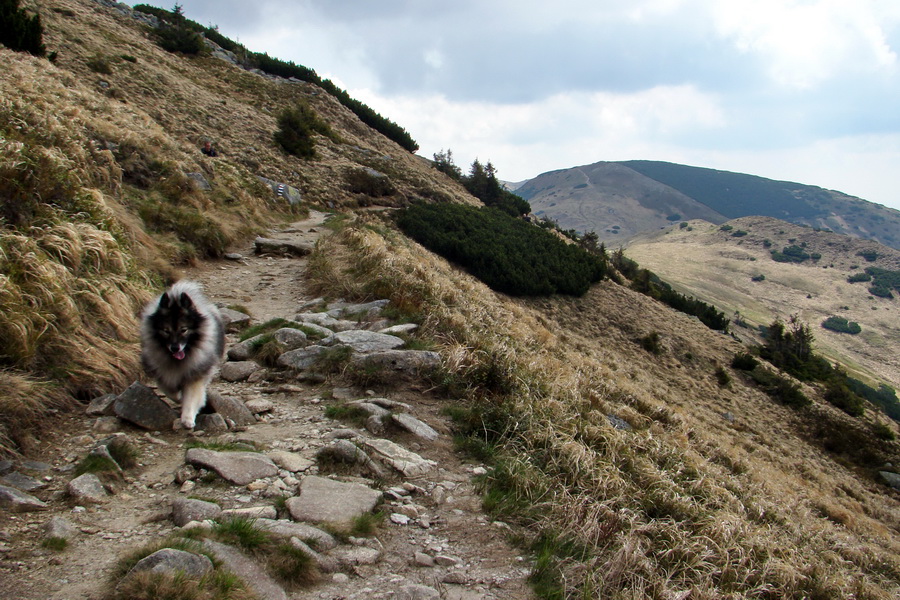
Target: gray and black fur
{"x": 182, "y": 342}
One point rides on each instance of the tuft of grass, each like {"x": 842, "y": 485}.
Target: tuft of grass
{"x": 333, "y": 359}
{"x": 241, "y": 532}
{"x": 93, "y": 463}
{"x": 220, "y": 446}
{"x": 366, "y": 524}
{"x": 123, "y": 452}
{"x": 346, "y": 412}
{"x": 99, "y": 64}
{"x": 56, "y": 544}
{"x": 291, "y": 565}
{"x": 722, "y": 376}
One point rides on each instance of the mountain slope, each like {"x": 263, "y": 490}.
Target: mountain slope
{"x": 619, "y": 203}
{"x": 710, "y": 263}
{"x": 636, "y": 473}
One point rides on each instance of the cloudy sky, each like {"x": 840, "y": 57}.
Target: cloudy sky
{"x": 801, "y": 90}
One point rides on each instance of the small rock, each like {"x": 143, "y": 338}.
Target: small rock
{"x": 258, "y": 406}
{"x": 231, "y": 409}
{"x": 87, "y": 489}
{"x": 57, "y": 527}
{"x": 141, "y": 406}
{"x": 170, "y": 560}
{"x": 423, "y": 560}
{"x": 351, "y": 556}
{"x": 290, "y": 337}
{"x": 233, "y": 320}
{"x": 102, "y": 406}
{"x": 240, "y": 468}
{"x": 185, "y": 510}
{"x": 892, "y": 479}
{"x": 417, "y": 592}
{"x": 22, "y": 482}
{"x": 290, "y": 461}
{"x": 326, "y": 500}
{"x": 14, "y": 500}
{"x": 238, "y": 371}
{"x": 340, "y": 578}
{"x": 399, "y": 519}
{"x": 415, "y": 426}
{"x": 456, "y": 577}
{"x": 211, "y": 423}
{"x": 233, "y": 256}
{"x": 252, "y": 512}
{"x": 446, "y": 561}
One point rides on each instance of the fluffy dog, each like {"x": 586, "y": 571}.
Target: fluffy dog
{"x": 182, "y": 342}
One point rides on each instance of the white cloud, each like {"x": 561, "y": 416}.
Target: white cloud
{"x": 805, "y": 43}
{"x": 520, "y": 138}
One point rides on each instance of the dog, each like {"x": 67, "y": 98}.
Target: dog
{"x": 182, "y": 343}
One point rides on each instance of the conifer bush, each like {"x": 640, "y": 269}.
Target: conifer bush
{"x": 20, "y": 32}
{"x": 296, "y": 127}
{"x": 508, "y": 254}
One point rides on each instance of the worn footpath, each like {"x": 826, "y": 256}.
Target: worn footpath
{"x": 269, "y": 452}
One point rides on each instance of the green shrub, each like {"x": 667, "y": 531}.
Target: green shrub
{"x": 838, "y": 394}
{"x": 722, "y": 376}
{"x": 726, "y": 228}
{"x": 789, "y": 254}
{"x": 758, "y": 278}
{"x": 99, "y": 64}
{"x": 869, "y": 255}
{"x": 744, "y": 362}
{"x": 369, "y": 182}
{"x": 20, "y": 32}
{"x": 508, "y": 254}
{"x": 841, "y": 325}
{"x": 780, "y": 388}
{"x": 883, "y": 432}
{"x": 296, "y": 127}
{"x": 881, "y": 291}
{"x": 739, "y": 233}
{"x": 650, "y": 343}
{"x": 858, "y": 277}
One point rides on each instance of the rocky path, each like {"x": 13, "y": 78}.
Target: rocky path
{"x": 306, "y": 476}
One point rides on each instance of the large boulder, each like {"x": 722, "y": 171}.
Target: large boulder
{"x": 240, "y": 468}
{"x": 325, "y": 500}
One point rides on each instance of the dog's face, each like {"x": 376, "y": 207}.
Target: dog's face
{"x": 176, "y": 325}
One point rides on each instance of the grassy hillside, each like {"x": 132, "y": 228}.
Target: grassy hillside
{"x": 704, "y": 488}
{"x": 738, "y": 273}
{"x": 638, "y": 472}
{"x": 96, "y": 206}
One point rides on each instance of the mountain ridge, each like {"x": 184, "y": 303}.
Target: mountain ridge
{"x": 618, "y": 204}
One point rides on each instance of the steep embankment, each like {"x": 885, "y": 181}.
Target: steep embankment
{"x": 104, "y": 192}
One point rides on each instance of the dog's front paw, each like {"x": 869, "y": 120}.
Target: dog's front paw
{"x": 187, "y": 422}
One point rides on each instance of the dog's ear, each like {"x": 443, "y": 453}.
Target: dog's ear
{"x": 186, "y": 302}
{"x": 165, "y": 301}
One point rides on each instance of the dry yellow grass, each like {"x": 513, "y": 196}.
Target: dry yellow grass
{"x": 717, "y": 268}
{"x": 688, "y": 503}
{"x": 97, "y": 210}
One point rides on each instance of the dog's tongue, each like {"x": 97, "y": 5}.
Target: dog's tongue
{"x": 179, "y": 355}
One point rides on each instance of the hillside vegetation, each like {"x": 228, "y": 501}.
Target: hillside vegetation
{"x": 742, "y": 276}
{"x": 636, "y": 459}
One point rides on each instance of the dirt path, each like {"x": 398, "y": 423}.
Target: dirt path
{"x": 474, "y": 559}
